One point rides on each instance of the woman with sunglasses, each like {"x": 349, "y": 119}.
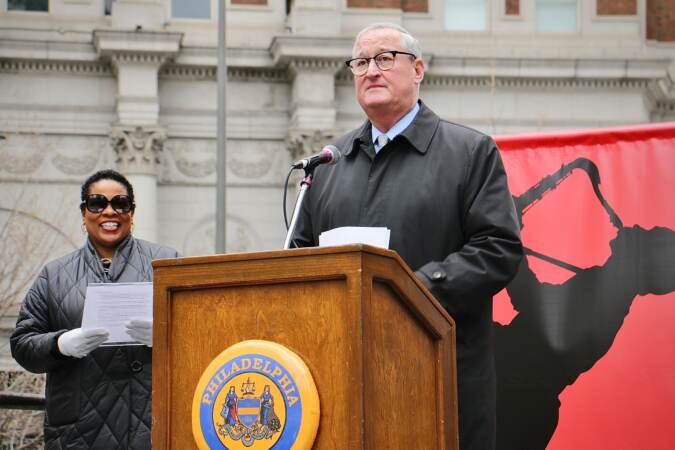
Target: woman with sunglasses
{"x": 97, "y": 397}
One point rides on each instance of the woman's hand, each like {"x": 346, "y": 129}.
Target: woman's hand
{"x": 79, "y": 342}
{"x": 140, "y": 330}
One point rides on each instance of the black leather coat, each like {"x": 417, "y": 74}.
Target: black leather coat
{"x": 101, "y": 401}
{"x": 441, "y": 189}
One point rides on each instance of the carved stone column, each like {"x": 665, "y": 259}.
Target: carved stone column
{"x": 313, "y": 106}
{"x": 138, "y": 150}
{"x": 313, "y": 109}
{"x": 136, "y": 58}
{"x": 313, "y": 93}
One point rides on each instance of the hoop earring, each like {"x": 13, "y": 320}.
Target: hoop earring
{"x": 84, "y": 228}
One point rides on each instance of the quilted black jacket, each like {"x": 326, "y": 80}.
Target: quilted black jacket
{"x": 101, "y": 401}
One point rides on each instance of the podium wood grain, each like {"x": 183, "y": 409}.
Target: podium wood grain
{"x": 380, "y": 348}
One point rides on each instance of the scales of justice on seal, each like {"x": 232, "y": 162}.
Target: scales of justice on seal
{"x": 315, "y": 348}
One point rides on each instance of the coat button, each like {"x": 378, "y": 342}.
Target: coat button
{"x": 136, "y": 366}
{"x": 438, "y": 275}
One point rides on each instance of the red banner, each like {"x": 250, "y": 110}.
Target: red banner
{"x": 585, "y": 333}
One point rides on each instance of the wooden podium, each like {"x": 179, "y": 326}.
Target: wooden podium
{"x": 380, "y": 348}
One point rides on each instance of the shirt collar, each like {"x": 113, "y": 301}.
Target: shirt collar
{"x": 419, "y": 133}
{"x": 398, "y": 127}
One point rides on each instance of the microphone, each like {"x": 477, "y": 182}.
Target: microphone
{"x": 328, "y": 155}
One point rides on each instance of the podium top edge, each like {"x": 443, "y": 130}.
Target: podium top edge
{"x": 354, "y": 249}
{"x": 274, "y": 254}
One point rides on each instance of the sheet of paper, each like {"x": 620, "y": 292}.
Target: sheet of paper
{"x": 376, "y": 236}
{"x": 111, "y": 305}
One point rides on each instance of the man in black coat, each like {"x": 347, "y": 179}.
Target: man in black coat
{"x": 441, "y": 189}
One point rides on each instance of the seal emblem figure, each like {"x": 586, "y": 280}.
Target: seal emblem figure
{"x": 255, "y": 395}
{"x": 250, "y": 417}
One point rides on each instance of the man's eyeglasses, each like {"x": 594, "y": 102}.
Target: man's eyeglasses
{"x": 383, "y": 61}
{"x": 97, "y": 203}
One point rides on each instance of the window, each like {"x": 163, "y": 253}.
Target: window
{"x": 191, "y": 9}
{"x": 28, "y": 5}
{"x": 465, "y": 15}
{"x": 512, "y": 7}
{"x": 556, "y": 16}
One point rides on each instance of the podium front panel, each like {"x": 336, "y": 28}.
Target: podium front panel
{"x": 400, "y": 382}
{"x": 379, "y": 347}
{"x": 289, "y": 314}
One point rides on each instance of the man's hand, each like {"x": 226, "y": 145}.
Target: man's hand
{"x": 140, "y": 330}
{"x": 80, "y": 342}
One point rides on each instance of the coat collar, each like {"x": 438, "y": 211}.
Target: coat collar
{"x": 419, "y": 133}
{"x": 119, "y": 260}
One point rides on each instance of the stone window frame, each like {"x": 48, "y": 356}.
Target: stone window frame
{"x": 4, "y": 8}
{"x": 640, "y": 17}
{"x": 652, "y": 43}
{"x": 214, "y": 11}
{"x": 487, "y": 25}
{"x": 579, "y": 19}
{"x": 520, "y": 17}
{"x": 640, "y": 11}
{"x": 435, "y": 9}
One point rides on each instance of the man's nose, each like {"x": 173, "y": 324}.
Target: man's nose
{"x": 372, "y": 68}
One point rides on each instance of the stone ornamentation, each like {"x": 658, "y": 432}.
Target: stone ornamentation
{"x": 22, "y": 154}
{"x": 303, "y": 143}
{"x": 138, "y": 148}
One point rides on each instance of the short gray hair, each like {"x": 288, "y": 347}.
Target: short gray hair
{"x": 411, "y": 44}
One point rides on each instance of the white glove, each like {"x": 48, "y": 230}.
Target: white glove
{"x": 140, "y": 330}
{"x": 80, "y": 342}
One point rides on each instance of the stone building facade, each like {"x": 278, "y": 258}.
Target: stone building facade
{"x": 131, "y": 84}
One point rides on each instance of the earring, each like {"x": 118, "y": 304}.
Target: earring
{"x": 84, "y": 228}
{"x": 132, "y": 227}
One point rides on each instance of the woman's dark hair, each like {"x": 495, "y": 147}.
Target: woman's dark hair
{"x": 107, "y": 174}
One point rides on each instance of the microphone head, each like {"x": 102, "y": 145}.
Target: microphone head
{"x": 331, "y": 153}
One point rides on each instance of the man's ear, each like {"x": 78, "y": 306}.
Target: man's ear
{"x": 419, "y": 70}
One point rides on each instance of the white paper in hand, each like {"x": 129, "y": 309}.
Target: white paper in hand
{"x": 111, "y": 305}
{"x": 376, "y": 236}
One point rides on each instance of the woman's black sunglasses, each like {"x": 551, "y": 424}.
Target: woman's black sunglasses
{"x": 97, "y": 203}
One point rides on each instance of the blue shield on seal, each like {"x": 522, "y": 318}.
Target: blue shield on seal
{"x": 249, "y": 410}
